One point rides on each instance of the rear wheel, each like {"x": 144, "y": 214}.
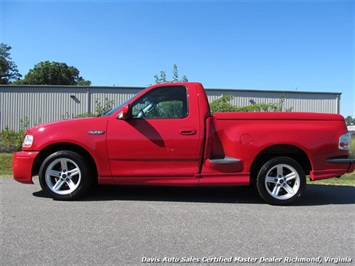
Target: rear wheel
{"x": 65, "y": 175}
{"x": 281, "y": 181}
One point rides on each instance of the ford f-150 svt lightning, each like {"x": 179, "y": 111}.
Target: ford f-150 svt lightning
{"x": 166, "y": 135}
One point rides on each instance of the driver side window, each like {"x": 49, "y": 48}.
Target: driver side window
{"x": 164, "y": 102}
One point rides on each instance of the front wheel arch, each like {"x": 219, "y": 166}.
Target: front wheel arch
{"x": 47, "y": 151}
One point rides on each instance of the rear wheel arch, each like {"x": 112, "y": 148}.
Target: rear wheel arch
{"x": 281, "y": 150}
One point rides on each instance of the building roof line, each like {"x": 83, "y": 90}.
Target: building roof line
{"x": 141, "y": 88}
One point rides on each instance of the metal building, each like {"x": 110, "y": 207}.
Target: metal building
{"x": 34, "y": 104}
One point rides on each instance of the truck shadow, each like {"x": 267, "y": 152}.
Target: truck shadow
{"x": 326, "y": 195}
{"x": 175, "y": 194}
{"x": 314, "y": 194}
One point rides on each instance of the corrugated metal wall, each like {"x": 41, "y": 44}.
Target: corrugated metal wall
{"x": 38, "y": 104}
{"x": 321, "y": 102}
{"x": 41, "y": 104}
{"x": 116, "y": 94}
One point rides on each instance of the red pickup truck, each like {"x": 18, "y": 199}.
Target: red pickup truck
{"x": 166, "y": 135}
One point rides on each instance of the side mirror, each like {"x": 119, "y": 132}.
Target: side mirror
{"x": 126, "y": 112}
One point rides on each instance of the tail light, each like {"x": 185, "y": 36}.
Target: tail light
{"x": 344, "y": 142}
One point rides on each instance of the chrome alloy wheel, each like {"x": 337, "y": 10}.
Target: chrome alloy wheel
{"x": 282, "y": 182}
{"x": 63, "y": 176}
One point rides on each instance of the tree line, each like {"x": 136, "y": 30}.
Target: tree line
{"x": 43, "y": 73}
{"x": 55, "y": 73}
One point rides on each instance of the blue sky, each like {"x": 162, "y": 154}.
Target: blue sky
{"x": 264, "y": 45}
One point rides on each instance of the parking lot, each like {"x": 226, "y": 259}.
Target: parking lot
{"x": 175, "y": 226}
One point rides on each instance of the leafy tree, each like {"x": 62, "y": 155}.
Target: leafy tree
{"x": 54, "y": 73}
{"x": 162, "y": 77}
{"x": 8, "y": 69}
{"x": 349, "y": 120}
{"x": 175, "y": 73}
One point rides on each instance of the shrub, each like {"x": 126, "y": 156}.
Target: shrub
{"x": 223, "y": 105}
{"x": 10, "y": 140}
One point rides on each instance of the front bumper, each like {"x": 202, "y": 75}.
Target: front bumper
{"x": 22, "y": 164}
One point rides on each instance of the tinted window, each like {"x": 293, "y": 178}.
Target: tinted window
{"x": 164, "y": 102}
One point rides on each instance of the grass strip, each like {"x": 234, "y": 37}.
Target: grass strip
{"x": 5, "y": 163}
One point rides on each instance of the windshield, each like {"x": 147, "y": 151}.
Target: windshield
{"x": 115, "y": 109}
{"x": 119, "y": 106}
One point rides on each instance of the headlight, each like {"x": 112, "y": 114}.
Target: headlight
{"x": 27, "y": 141}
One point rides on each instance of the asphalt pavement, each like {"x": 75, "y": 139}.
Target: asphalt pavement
{"x": 175, "y": 226}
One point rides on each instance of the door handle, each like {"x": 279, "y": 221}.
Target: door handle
{"x": 187, "y": 131}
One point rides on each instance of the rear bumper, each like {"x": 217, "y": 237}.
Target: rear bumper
{"x": 336, "y": 167}
{"x": 347, "y": 162}
{"x": 22, "y": 164}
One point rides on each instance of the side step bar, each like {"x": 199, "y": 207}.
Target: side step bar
{"x": 225, "y": 160}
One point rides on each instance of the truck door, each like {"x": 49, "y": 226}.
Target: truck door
{"x": 162, "y": 139}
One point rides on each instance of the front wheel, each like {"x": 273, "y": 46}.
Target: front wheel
{"x": 65, "y": 175}
{"x": 281, "y": 181}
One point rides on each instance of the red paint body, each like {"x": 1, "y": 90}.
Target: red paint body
{"x": 197, "y": 148}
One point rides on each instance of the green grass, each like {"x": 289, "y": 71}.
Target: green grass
{"x": 352, "y": 147}
{"x": 5, "y": 164}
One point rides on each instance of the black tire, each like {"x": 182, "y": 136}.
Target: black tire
{"x": 65, "y": 175}
{"x": 281, "y": 181}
